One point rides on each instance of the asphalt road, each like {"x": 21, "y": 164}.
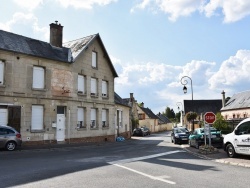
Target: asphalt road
{"x": 151, "y": 161}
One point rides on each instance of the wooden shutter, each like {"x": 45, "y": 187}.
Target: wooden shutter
{"x": 104, "y": 88}
{"x": 3, "y": 117}
{"x": 93, "y": 86}
{"x": 104, "y": 115}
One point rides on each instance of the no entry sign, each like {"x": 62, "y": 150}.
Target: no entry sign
{"x": 210, "y": 117}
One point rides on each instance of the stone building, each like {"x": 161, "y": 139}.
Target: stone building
{"x": 58, "y": 93}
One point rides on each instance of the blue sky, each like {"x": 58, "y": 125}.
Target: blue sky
{"x": 152, "y": 43}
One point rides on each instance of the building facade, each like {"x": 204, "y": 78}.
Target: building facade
{"x": 57, "y": 93}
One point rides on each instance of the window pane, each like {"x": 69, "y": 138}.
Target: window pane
{"x": 37, "y": 117}
{"x": 38, "y": 77}
{"x": 94, "y": 55}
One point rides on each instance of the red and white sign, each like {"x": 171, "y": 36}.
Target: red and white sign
{"x": 210, "y": 117}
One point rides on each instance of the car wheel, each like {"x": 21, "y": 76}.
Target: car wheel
{"x": 197, "y": 144}
{"x": 175, "y": 142}
{"x": 10, "y": 146}
{"x": 189, "y": 142}
{"x": 230, "y": 151}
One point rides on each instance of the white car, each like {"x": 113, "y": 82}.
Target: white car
{"x": 238, "y": 142}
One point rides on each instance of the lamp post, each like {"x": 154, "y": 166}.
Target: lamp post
{"x": 178, "y": 104}
{"x": 184, "y": 82}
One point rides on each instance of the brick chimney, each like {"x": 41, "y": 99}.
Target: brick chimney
{"x": 131, "y": 97}
{"x": 223, "y": 98}
{"x": 56, "y": 34}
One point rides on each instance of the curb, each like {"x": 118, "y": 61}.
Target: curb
{"x": 217, "y": 160}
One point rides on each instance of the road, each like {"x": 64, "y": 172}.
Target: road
{"x": 151, "y": 161}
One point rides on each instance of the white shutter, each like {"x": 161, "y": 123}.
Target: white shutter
{"x": 37, "y": 117}
{"x": 81, "y": 83}
{"x": 80, "y": 113}
{"x": 93, "y": 85}
{"x": 94, "y": 59}
{"x": 93, "y": 114}
{"x": 38, "y": 77}
{"x": 104, "y": 115}
{"x": 1, "y": 72}
{"x": 104, "y": 88}
{"x": 3, "y": 117}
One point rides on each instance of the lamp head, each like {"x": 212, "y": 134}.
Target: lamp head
{"x": 185, "y": 89}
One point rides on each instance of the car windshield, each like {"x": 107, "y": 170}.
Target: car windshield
{"x": 181, "y": 130}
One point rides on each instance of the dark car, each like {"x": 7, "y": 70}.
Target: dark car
{"x": 146, "y": 130}
{"x": 196, "y": 138}
{"x": 9, "y": 138}
{"x": 179, "y": 135}
{"x": 139, "y": 132}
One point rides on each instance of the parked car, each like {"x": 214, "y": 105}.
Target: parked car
{"x": 179, "y": 135}
{"x": 197, "y": 139}
{"x": 148, "y": 132}
{"x": 139, "y": 132}
{"x": 238, "y": 142}
{"x": 10, "y": 139}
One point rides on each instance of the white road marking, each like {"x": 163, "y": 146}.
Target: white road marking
{"x": 145, "y": 157}
{"x": 159, "y": 178}
{"x": 147, "y": 175}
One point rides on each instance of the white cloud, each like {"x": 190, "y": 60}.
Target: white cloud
{"x": 28, "y": 4}
{"x": 86, "y": 4}
{"x": 232, "y": 10}
{"x": 233, "y": 73}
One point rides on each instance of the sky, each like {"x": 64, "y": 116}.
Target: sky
{"x": 153, "y": 44}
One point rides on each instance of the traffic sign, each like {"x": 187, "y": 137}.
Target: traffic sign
{"x": 209, "y": 117}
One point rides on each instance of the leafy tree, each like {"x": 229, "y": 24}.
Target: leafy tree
{"x": 220, "y": 123}
{"x": 191, "y": 116}
{"x": 168, "y": 113}
{"x": 178, "y": 116}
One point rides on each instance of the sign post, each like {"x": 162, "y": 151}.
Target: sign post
{"x": 209, "y": 118}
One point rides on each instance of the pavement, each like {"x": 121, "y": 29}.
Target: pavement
{"x": 219, "y": 156}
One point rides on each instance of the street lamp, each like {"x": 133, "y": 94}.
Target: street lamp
{"x": 178, "y": 104}
{"x": 184, "y": 82}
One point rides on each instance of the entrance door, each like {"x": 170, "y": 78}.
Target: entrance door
{"x": 3, "y": 117}
{"x": 60, "y": 127}
{"x": 14, "y": 117}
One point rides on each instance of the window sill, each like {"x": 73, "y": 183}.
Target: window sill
{"x": 105, "y": 128}
{"x": 81, "y": 129}
{"x": 81, "y": 94}
{"x": 3, "y": 86}
{"x": 37, "y": 131}
{"x": 94, "y": 96}
{"x": 96, "y": 128}
{"x": 35, "y": 89}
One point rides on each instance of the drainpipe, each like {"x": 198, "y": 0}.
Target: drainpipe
{"x": 69, "y": 127}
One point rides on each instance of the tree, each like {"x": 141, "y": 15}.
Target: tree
{"x": 178, "y": 116}
{"x": 168, "y": 112}
{"x": 220, "y": 123}
{"x": 191, "y": 116}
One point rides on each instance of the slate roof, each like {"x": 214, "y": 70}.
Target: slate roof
{"x": 202, "y": 106}
{"x": 78, "y": 46}
{"x": 24, "y": 45}
{"x": 238, "y": 101}
{"x": 149, "y": 113}
{"x": 163, "y": 119}
{"x": 120, "y": 101}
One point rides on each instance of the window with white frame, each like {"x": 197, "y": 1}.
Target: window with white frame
{"x": 93, "y": 118}
{"x": 38, "y": 77}
{"x": 104, "y": 88}
{"x": 94, "y": 59}
{"x": 93, "y": 88}
{"x": 104, "y": 118}
{"x": 81, "y": 84}
{"x": 37, "y": 117}
{"x": 81, "y": 118}
{"x": 1, "y": 72}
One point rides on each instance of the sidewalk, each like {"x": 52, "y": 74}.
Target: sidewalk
{"x": 220, "y": 156}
